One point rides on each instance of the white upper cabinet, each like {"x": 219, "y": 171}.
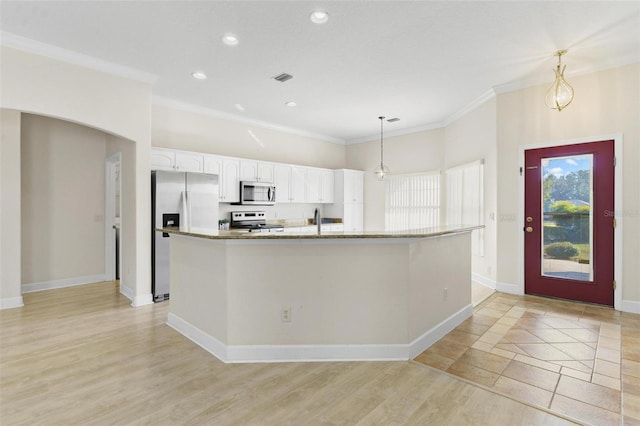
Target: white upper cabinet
{"x": 349, "y": 186}
{"x": 179, "y": 161}
{"x": 163, "y": 159}
{"x": 256, "y": 171}
{"x": 298, "y": 184}
{"x": 313, "y": 191}
{"x": 282, "y": 181}
{"x": 327, "y": 182}
{"x": 230, "y": 187}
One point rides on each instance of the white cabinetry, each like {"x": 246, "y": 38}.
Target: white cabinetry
{"x": 313, "y": 191}
{"x": 282, "y": 182}
{"x": 256, "y": 171}
{"x": 348, "y": 199}
{"x": 228, "y": 171}
{"x": 298, "y": 184}
{"x": 327, "y": 182}
{"x": 167, "y": 159}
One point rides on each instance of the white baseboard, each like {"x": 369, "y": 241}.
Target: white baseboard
{"x": 439, "y": 331}
{"x": 207, "y": 342}
{"x": 630, "y": 306}
{"x": 11, "y": 302}
{"x": 313, "y": 353}
{"x": 142, "y": 300}
{"x": 136, "y": 301}
{"x": 487, "y": 282}
{"x": 508, "y": 288}
{"x": 67, "y": 282}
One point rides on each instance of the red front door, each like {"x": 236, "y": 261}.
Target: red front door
{"x": 568, "y": 224}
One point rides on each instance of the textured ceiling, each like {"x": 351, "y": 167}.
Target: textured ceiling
{"x": 421, "y": 61}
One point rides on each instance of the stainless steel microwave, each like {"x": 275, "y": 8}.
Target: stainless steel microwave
{"x": 257, "y": 193}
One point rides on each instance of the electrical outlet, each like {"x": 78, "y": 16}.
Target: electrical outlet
{"x": 445, "y": 293}
{"x": 285, "y": 314}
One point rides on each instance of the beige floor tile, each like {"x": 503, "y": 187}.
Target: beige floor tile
{"x": 582, "y": 334}
{"x": 589, "y": 393}
{"x": 608, "y": 342}
{"x": 610, "y": 355}
{"x": 478, "y": 318}
{"x": 510, "y": 347}
{"x": 523, "y": 391}
{"x": 484, "y": 360}
{"x": 530, "y": 323}
{"x": 491, "y": 338}
{"x": 514, "y": 313}
{"x": 576, "y": 374}
{"x": 532, "y": 375}
{"x": 471, "y": 327}
{"x": 631, "y": 368}
{"x": 630, "y": 421}
{"x": 586, "y": 413}
{"x": 482, "y": 346}
{"x": 563, "y": 323}
{"x": 503, "y": 353}
{"x": 461, "y": 337}
{"x": 500, "y": 328}
{"x": 575, "y": 365}
{"x": 607, "y": 381}
{"x": 448, "y": 349}
{"x": 538, "y": 363}
{"x": 520, "y": 336}
{"x": 632, "y": 406}
{"x": 502, "y": 307}
{"x": 577, "y": 351}
{"x": 507, "y": 321}
{"x": 607, "y": 368}
{"x": 474, "y": 374}
{"x": 434, "y": 360}
{"x": 551, "y": 335}
{"x": 490, "y": 313}
{"x": 505, "y": 300}
{"x": 544, "y": 351}
{"x": 630, "y": 385}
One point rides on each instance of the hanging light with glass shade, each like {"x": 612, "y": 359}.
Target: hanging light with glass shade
{"x": 560, "y": 94}
{"x": 381, "y": 171}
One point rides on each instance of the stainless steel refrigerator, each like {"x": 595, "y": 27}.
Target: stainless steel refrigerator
{"x": 185, "y": 200}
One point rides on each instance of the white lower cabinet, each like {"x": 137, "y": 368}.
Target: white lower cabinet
{"x": 353, "y": 218}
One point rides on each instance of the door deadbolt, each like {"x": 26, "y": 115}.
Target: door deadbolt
{"x": 529, "y": 219}
{"x": 529, "y": 229}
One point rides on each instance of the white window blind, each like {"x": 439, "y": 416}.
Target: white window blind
{"x": 412, "y": 201}
{"x": 464, "y": 189}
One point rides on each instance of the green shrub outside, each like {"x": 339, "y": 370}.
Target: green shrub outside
{"x": 562, "y": 250}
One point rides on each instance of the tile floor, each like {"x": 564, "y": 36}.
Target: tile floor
{"x": 575, "y": 359}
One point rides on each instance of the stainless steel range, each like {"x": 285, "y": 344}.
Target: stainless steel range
{"x": 253, "y": 221}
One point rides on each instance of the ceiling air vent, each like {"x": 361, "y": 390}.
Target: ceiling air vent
{"x": 283, "y": 77}
{"x": 393, "y": 120}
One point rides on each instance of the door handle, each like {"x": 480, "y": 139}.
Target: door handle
{"x": 529, "y": 219}
{"x": 529, "y": 229}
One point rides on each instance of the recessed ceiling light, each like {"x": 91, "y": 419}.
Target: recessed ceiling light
{"x": 199, "y": 75}
{"x": 239, "y": 107}
{"x": 291, "y": 104}
{"x": 230, "y": 39}
{"x": 319, "y": 16}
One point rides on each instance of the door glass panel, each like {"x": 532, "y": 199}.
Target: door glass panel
{"x": 567, "y": 231}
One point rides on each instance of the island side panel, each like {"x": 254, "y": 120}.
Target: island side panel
{"x": 435, "y": 264}
{"x": 346, "y": 292}
{"x": 198, "y": 289}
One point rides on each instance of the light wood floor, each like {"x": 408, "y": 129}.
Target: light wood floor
{"x": 82, "y": 355}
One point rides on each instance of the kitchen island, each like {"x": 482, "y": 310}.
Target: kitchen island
{"x": 268, "y": 297}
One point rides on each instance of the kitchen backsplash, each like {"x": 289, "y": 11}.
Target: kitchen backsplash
{"x": 277, "y": 212}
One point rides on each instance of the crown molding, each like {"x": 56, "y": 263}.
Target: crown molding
{"x": 32, "y": 46}
{"x": 408, "y": 131}
{"x": 486, "y": 96}
{"x": 184, "y": 106}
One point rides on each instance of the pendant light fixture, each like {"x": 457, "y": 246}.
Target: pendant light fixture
{"x": 381, "y": 171}
{"x": 560, "y": 94}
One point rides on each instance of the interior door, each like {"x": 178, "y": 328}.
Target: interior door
{"x": 569, "y": 222}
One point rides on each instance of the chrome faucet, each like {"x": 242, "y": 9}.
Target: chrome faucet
{"x": 317, "y": 220}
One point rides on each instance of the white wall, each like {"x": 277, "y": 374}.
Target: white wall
{"x": 605, "y": 103}
{"x": 62, "y": 200}
{"x": 192, "y": 131}
{"x": 473, "y": 137}
{"x": 10, "y": 279}
{"x": 40, "y": 85}
{"x": 127, "y": 149}
{"x": 416, "y": 152}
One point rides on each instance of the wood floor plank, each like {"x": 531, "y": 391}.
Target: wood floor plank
{"x": 83, "y": 355}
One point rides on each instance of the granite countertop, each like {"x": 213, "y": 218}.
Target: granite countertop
{"x": 244, "y": 235}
